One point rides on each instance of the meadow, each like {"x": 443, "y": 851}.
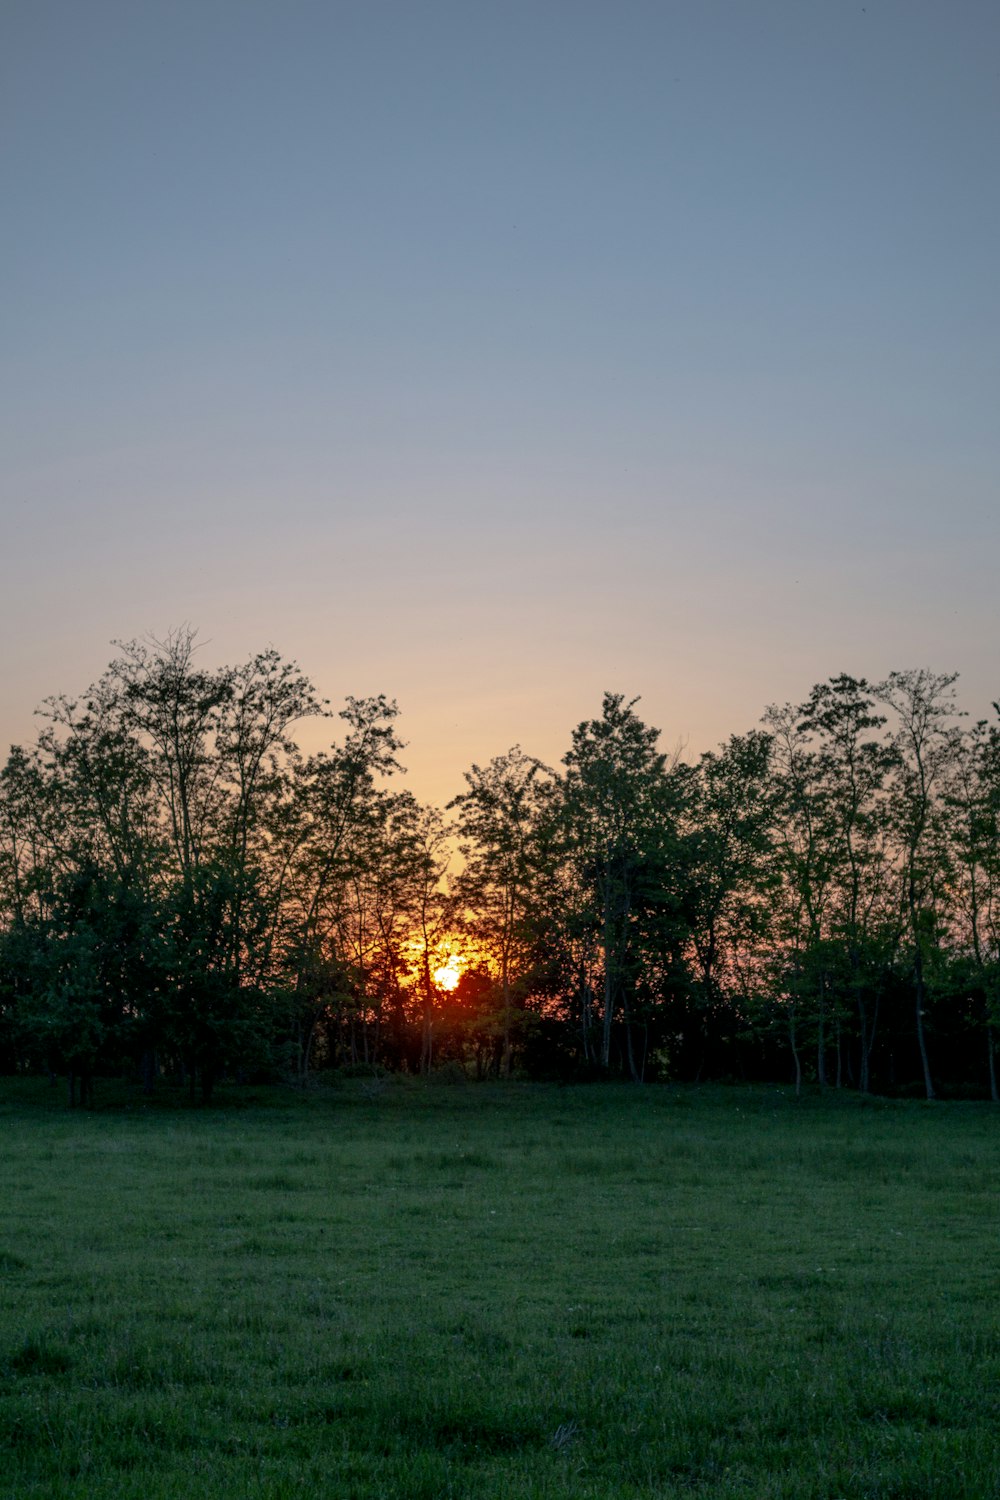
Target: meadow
{"x": 422, "y": 1291}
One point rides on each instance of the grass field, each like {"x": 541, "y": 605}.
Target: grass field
{"x": 500, "y": 1292}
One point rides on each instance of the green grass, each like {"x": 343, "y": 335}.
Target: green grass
{"x": 487, "y": 1292}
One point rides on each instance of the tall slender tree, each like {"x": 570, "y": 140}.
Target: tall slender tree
{"x": 497, "y": 826}
{"x": 852, "y": 761}
{"x": 729, "y": 871}
{"x": 926, "y": 742}
{"x": 621, "y": 804}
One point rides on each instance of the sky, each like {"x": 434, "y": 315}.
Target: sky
{"x": 494, "y": 355}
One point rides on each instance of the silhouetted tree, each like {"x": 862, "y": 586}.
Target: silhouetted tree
{"x": 620, "y": 807}
{"x": 498, "y": 826}
{"x": 729, "y": 871}
{"x": 925, "y": 742}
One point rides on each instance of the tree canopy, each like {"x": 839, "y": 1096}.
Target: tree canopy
{"x": 184, "y": 894}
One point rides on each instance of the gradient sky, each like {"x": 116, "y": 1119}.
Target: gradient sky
{"x": 490, "y": 355}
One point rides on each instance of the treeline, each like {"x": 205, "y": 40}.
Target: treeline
{"x": 184, "y": 893}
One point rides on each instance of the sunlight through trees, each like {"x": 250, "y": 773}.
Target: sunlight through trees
{"x": 184, "y": 894}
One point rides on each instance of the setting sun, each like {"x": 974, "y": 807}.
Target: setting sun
{"x": 450, "y": 972}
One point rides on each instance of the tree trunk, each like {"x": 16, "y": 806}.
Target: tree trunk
{"x": 609, "y": 990}
{"x": 630, "y": 1051}
{"x": 821, "y": 1035}
{"x": 207, "y": 1082}
{"x": 426, "y": 1040}
{"x": 148, "y": 1071}
{"x": 795, "y": 1053}
{"x": 306, "y": 1046}
{"x": 585, "y": 1020}
{"x": 863, "y": 1082}
{"x": 505, "y": 1066}
{"x": 920, "y": 995}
